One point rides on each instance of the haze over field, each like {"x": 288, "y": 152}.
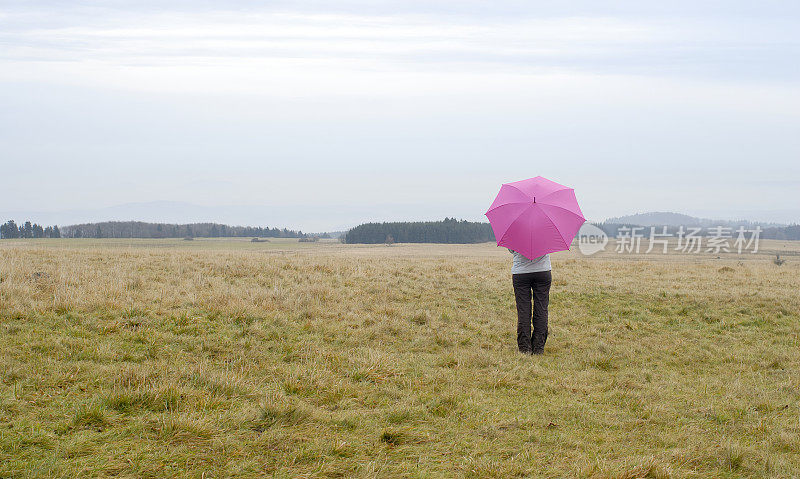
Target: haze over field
{"x": 320, "y": 116}
{"x": 170, "y": 306}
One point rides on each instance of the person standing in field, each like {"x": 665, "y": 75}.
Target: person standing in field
{"x": 531, "y": 275}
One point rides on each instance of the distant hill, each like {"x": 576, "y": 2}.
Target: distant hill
{"x": 329, "y": 234}
{"x": 658, "y": 218}
{"x": 778, "y": 231}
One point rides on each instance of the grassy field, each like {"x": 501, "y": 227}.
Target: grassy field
{"x": 225, "y": 358}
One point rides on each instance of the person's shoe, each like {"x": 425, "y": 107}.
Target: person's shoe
{"x": 526, "y": 351}
{"x": 538, "y": 343}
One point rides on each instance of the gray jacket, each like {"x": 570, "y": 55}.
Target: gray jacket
{"x": 522, "y": 264}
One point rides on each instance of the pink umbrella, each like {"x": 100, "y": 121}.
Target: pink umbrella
{"x": 535, "y": 216}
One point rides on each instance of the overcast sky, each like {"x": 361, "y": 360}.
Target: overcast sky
{"x": 331, "y": 115}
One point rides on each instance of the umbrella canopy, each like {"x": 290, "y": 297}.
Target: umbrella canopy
{"x": 535, "y": 216}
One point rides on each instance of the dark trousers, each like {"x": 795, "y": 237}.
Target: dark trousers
{"x": 539, "y": 283}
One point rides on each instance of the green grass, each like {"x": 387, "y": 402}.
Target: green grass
{"x": 332, "y": 361}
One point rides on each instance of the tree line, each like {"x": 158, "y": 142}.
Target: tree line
{"x": 140, "y": 229}
{"x": 791, "y": 232}
{"x": 449, "y": 230}
{"x": 10, "y": 230}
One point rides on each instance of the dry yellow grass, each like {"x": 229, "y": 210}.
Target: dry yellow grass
{"x": 225, "y": 358}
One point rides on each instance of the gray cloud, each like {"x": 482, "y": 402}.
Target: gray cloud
{"x": 398, "y": 106}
